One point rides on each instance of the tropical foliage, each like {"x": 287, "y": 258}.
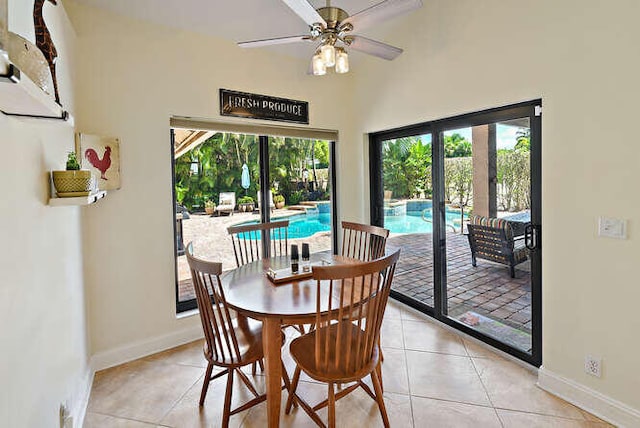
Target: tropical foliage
{"x": 407, "y": 170}
{"x": 216, "y": 166}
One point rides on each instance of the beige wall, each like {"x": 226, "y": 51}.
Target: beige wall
{"x": 43, "y": 336}
{"x": 582, "y": 59}
{"x": 132, "y": 77}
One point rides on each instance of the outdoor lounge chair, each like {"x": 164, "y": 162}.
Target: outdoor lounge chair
{"x": 492, "y": 239}
{"x": 226, "y": 203}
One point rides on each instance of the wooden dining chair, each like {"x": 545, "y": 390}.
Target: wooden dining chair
{"x": 344, "y": 346}
{"x": 363, "y": 241}
{"x": 247, "y": 245}
{"x": 247, "y": 240}
{"x": 230, "y": 342}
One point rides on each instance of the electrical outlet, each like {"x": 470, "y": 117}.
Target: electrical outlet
{"x": 66, "y": 420}
{"x": 593, "y": 365}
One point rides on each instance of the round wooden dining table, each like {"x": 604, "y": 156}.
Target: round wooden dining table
{"x": 248, "y": 290}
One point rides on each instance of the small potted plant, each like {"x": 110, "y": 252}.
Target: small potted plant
{"x": 73, "y": 181}
{"x": 246, "y": 203}
{"x": 209, "y": 207}
{"x": 278, "y": 200}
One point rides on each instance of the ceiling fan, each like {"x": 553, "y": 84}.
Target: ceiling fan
{"x": 332, "y": 27}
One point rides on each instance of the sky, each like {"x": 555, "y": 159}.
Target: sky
{"x": 505, "y": 139}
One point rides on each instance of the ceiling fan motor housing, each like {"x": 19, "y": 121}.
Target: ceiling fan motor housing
{"x": 333, "y": 16}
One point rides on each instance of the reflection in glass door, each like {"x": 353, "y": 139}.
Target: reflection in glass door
{"x": 408, "y": 214}
{"x": 487, "y": 180}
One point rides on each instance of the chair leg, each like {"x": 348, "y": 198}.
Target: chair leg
{"x": 253, "y": 368}
{"x": 205, "y": 384}
{"x": 379, "y": 371}
{"x": 513, "y": 271}
{"x": 332, "y": 407}
{"x": 226, "y": 413}
{"x": 292, "y": 390}
{"x": 377, "y": 387}
{"x": 261, "y": 364}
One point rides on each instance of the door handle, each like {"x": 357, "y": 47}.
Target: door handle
{"x": 531, "y": 236}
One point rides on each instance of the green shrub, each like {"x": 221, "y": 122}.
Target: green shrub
{"x": 296, "y": 197}
{"x": 278, "y": 198}
{"x": 245, "y": 200}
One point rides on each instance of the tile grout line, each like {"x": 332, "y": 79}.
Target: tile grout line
{"x": 173, "y": 406}
{"x": 125, "y": 418}
{"x": 484, "y": 387}
{"x": 406, "y": 365}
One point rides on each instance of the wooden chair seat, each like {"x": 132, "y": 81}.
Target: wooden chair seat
{"x": 302, "y": 351}
{"x": 249, "y": 342}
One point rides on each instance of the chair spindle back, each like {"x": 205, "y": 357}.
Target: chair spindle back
{"x": 363, "y": 241}
{"x": 247, "y": 240}
{"x": 357, "y": 295}
{"x": 217, "y": 323}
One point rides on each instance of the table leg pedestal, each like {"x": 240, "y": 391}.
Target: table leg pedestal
{"x": 271, "y": 340}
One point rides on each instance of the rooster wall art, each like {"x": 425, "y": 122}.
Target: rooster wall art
{"x": 101, "y": 155}
{"x": 101, "y": 164}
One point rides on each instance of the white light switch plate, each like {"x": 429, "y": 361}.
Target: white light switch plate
{"x": 612, "y": 228}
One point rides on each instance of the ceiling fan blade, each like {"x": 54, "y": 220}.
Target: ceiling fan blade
{"x": 373, "y": 47}
{"x": 382, "y": 11}
{"x": 304, "y": 10}
{"x": 275, "y": 41}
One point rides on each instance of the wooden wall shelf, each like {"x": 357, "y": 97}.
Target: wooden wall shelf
{"x": 20, "y": 96}
{"x": 79, "y": 201}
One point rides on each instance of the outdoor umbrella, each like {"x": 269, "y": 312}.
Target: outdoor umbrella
{"x": 246, "y": 180}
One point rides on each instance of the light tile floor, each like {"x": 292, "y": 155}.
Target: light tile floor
{"x": 432, "y": 377}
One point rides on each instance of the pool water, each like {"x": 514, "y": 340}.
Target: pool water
{"x": 412, "y": 222}
{"x": 305, "y": 225}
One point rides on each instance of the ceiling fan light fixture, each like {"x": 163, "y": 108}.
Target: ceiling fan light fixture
{"x": 319, "y": 67}
{"x": 342, "y": 61}
{"x": 328, "y": 52}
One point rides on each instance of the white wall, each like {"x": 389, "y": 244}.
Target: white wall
{"x": 582, "y": 59}
{"x": 43, "y": 336}
{"x": 132, "y": 77}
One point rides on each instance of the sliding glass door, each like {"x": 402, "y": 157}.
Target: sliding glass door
{"x": 408, "y": 213}
{"x": 478, "y": 268}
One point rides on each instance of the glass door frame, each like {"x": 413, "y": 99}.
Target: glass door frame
{"x": 530, "y": 109}
{"x": 265, "y": 215}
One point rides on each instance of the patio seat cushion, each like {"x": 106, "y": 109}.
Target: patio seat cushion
{"x": 496, "y": 223}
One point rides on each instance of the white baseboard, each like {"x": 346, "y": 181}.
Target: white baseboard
{"x": 606, "y": 408}
{"x": 142, "y": 348}
{"x": 79, "y": 408}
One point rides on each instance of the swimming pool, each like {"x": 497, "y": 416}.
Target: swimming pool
{"x": 305, "y": 225}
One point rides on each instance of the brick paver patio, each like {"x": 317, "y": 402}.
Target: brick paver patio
{"x": 487, "y": 290}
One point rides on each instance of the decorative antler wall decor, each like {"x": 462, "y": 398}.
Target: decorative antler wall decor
{"x": 44, "y": 42}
